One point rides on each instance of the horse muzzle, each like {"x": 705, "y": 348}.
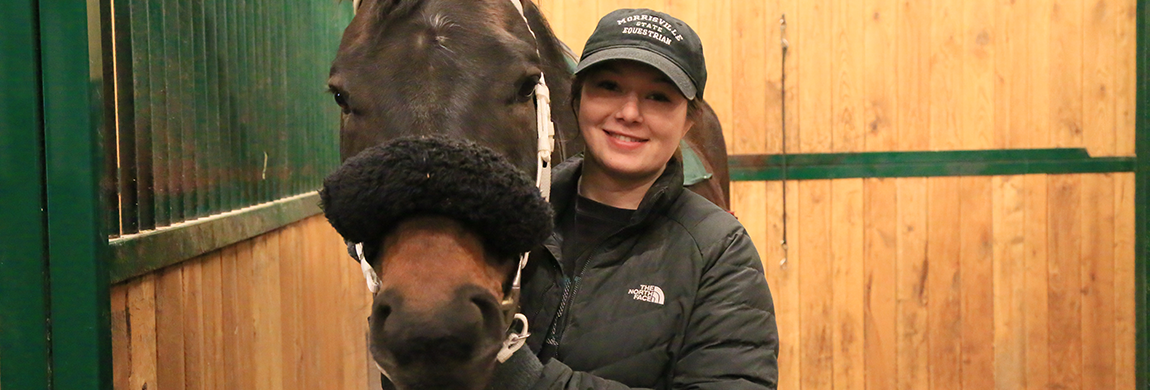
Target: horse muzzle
{"x": 448, "y": 345}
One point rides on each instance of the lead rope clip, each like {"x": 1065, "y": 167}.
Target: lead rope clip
{"x": 514, "y": 341}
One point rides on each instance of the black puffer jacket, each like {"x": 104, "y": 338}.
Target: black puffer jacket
{"x": 675, "y": 300}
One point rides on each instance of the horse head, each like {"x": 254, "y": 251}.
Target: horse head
{"x": 463, "y": 69}
{"x": 443, "y": 225}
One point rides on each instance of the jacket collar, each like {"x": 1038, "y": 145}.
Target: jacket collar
{"x": 659, "y": 197}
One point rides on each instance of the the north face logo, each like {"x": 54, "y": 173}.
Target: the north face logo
{"x": 646, "y": 293}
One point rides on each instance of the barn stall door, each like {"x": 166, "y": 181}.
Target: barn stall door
{"x": 969, "y": 177}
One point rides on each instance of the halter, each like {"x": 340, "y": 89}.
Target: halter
{"x": 545, "y": 129}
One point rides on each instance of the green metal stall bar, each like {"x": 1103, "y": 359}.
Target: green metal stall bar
{"x": 54, "y": 318}
{"x": 70, "y": 52}
{"x": 54, "y": 325}
{"x": 23, "y": 273}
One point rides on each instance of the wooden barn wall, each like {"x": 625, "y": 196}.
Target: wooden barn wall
{"x": 900, "y": 75}
{"x": 1008, "y": 282}
{"x": 286, "y": 310}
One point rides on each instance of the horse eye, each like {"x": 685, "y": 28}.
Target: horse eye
{"x": 341, "y": 99}
{"x": 526, "y": 88}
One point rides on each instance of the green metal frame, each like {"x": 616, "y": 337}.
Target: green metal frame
{"x": 817, "y": 166}
{"x": 71, "y": 72}
{"x": 1142, "y": 195}
{"x": 24, "y": 349}
{"x": 142, "y": 253}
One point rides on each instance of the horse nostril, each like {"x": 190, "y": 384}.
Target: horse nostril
{"x": 486, "y": 304}
{"x": 380, "y": 312}
{"x": 489, "y": 308}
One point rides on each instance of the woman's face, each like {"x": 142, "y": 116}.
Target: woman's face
{"x": 632, "y": 118}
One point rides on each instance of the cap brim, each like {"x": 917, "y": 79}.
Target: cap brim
{"x": 680, "y": 78}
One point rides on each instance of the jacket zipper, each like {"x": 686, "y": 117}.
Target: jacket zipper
{"x": 569, "y": 292}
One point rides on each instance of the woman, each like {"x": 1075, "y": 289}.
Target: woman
{"x": 643, "y": 284}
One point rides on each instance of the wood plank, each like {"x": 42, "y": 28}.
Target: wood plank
{"x": 783, "y": 278}
{"x": 579, "y": 21}
{"x": 121, "y": 336}
{"x": 943, "y": 285}
{"x": 979, "y": 46}
{"x": 1037, "y": 282}
{"x": 976, "y": 271}
{"x": 911, "y": 269}
{"x": 816, "y": 79}
{"x": 355, "y": 312}
{"x": 1125, "y": 76}
{"x": 170, "y": 328}
{"x": 212, "y": 298}
{"x": 246, "y": 352}
{"x": 714, "y": 30}
{"x": 291, "y": 295}
{"x": 309, "y": 303}
{"x": 267, "y": 311}
{"x": 351, "y": 338}
{"x": 142, "y": 317}
{"x": 1009, "y": 282}
{"x": 771, "y": 128}
{"x": 1098, "y": 279}
{"x": 1066, "y": 73}
{"x": 331, "y": 375}
{"x": 914, "y": 75}
{"x": 1012, "y": 127}
{"x": 880, "y": 254}
{"x": 1065, "y": 281}
{"x": 848, "y": 130}
{"x": 1125, "y": 330}
{"x": 231, "y": 317}
{"x": 1100, "y": 21}
{"x": 791, "y": 8}
{"x": 815, "y": 275}
{"x": 848, "y": 286}
{"x": 750, "y": 204}
{"x": 688, "y": 12}
{"x": 946, "y": 78}
{"x": 749, "y": 44}
{"x": 194, "y": 354}
{"x": 1041, "y": 60}
{"x": 881, "y": 79}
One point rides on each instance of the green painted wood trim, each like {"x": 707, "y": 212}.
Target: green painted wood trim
{"x": 77, "y": 245}
{"x": 1142, "y": 197}
{"x": 24, "y": 348}
{"x": 139, "y": 254}
{"x": 816, "y": 166}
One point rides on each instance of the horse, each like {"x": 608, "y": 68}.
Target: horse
{"x": 441, "y": 227}
{"x": 468, "y": 69}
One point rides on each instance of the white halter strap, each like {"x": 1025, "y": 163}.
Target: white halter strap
{"x": 545, "y": 129}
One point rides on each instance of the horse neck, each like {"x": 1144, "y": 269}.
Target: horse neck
{"x": 567, "y": 139}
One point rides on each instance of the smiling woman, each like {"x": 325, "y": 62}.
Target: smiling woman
{"x": 644, "y": 284}
{"x": 632, "y": 118}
